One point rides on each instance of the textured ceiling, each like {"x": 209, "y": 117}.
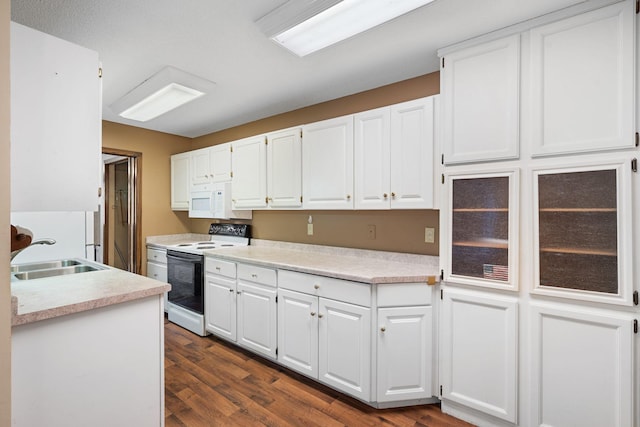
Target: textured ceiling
{"x": 219, "y": 41}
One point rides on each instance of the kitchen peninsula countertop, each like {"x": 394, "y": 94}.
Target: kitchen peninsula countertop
{"x": 50, "y": 297}
{"x": 367, "y": 266}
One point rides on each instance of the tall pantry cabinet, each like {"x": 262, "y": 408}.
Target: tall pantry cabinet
{"x": 539, "y": 224}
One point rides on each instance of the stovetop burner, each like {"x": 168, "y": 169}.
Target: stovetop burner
{"x": 222, "y": 235}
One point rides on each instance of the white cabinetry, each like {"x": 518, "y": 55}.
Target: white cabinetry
{"x": 284, "y": 169}
{"x": 200, "y": 169}
{"x": 157, "y": 268}
{"x": 582, "y": 366}
{"x": 249, "y": 182}
{"x": 479, "y": 351}
{"x": 404, "y": 342}
{"x": 327, "y": 164}
{"x": 55, "y": 123}
{"x": 220, "y": 160}
{"x": 220, "y": 298}
{"x": 324, "y": 330}
{"x": 180, "y": 181}
{"x": 480, "y": 88}
{"x": 394, "y": 156}
{"x": 582, "y": 72}
{"x": 256, "y": 309}
{"x": 209, "y": 165}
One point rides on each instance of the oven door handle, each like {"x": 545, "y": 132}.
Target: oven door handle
{"x": 191, "y": 258}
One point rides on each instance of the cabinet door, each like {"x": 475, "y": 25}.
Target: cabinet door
{"x": 479, "y": 352}
{"x": 220, "y": 158}
{"x": 583, "y": 246}
{"x": 220, "y": 306}
{"x": 345, "y": 347}
{"x": 56, "y": 128}
{"x": 582, "y": 72}
{"x": 157, "y": 271}
{"x": 180, "y": 181}
{"x": 412, "y": 139}
{"x": 481, "y": 226}
{"x": 257, "y": 315}
{"x": 327, "y": 164}
{"x": 480, "y": 100}
{"x": 583, "y": 367}
{"x": 200, "y": 167}
{"x": 249, "y": 182}
{"x": 298, "y": 331}
{"x": 405, "y": 337}
{"x": 284, "y": 168}
{"x": 372, "y": 159}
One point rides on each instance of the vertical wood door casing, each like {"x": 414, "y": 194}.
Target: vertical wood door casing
{"x": 404, "y": 352}
{"x": 298, "y": 331}
{"x": 479, "y": 352}
{"x": 284, "y": 169}
{"x": 480, "y": 90}
{"x": 581, "y": 70}
{"x": 327, "y": 164}
{"x": 180, "y": 181}
{"x": 249, "y": 182}
{"x": 257, "y": 318}
{"x": 345, "y": 347}
{"x": 581, "y": 366}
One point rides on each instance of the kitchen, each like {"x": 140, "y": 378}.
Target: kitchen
{"x": 272, "y": 225}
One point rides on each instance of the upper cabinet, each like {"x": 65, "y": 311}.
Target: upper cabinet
{"x": 392, "y": 147}
{"x": 480, "y": 87}
{"x": 327, "y": 164}
{"x": 284, "y": 169}
{"x": 209, "y": 165}
{"x": 180, "y": 184}
{"x": 582, "y": 72}
{"x": 55, "y": 123}
{"x": 249, "y": 181}
{"x": 220, "y": 160}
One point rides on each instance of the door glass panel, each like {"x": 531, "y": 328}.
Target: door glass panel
{"x": 578, "y": 230}
{"x": 480, "y": 228}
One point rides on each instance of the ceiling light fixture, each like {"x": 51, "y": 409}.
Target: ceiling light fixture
{"x": 307, "y": 26}
{"x": 166, "y": 90}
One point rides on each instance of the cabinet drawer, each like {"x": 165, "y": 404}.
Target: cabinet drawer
{"x": 404, "y": 294}
{"x": 252, "y": 273}
{"x": 223, "y": 268}
{"x": 157, "y": 271}
{"x": 157, "y": 255}
{"x": 326, "y": 287}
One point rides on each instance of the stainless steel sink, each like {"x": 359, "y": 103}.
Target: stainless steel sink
{"x": 43, "y": 265}
{"x": 40, "y": 270}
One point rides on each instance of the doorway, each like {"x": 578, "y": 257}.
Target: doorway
{"x": 121, "y": 210}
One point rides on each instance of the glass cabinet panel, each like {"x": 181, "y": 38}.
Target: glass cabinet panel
{"x": 481, "y": 224}
{"x": 580, "y": 251}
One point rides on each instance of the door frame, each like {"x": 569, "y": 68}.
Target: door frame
{"x": 137, "y": 235}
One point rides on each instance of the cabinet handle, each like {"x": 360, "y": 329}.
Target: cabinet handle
{"x": 255, "y": 276}
{"x": 385, "y": 195}
{"x": 238, "y": 292}
{"x": 217, "y": 268}
{"x": 230, "y": 290}
{"x": 320, "y": 315}
{"x": 313, "y": 313}
{"x": 393, "y": 194}
{"x": 382, "y": 329}
{"x": 316, "y": 286}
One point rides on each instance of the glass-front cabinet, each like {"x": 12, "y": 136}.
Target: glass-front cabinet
{"x": 581, "y": 248}
{"x": 482, "y": 247}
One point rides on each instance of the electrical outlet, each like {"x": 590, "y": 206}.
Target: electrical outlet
{"x": 309, "y": 229}
{"x": 429, "y": 235}
{"x": 371, "y": 232}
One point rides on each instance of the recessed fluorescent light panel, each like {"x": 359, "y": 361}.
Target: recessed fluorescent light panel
{"x": 163, "y": 92}
{"x": 307, "y": 26}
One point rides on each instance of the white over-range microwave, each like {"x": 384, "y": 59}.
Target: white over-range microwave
{"x": 215, "y": 203}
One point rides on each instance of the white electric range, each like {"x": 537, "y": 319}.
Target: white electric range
{"x": 186, "y": 272}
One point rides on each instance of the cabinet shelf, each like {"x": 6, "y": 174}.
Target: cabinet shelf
{"x": 484, "y": 243}
{"x": 576, "y": 251}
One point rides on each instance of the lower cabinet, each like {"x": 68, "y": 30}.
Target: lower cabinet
{"x": 157, "y": 268}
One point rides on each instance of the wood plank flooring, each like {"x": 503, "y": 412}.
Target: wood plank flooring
{"x": 209, "y": 382}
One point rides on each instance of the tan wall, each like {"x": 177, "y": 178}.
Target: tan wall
{"x": 5, "y": 247}
{"x": 155, "y": 177}
{"x": 398, "y": 231}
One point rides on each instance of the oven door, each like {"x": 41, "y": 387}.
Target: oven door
{"x": 185, "y": 273}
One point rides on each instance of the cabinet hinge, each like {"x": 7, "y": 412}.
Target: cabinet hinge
{"x": 635, "y": 297}
{"x": 276, "y": 303}
{"x": 231, "y": 148}
{"x": 637, "y": 6}
{"x": 441, "y": 275}
{"x": 442, "y": 179}
{"x": 440, "y": 390}
{"x": 300, "y": 133}
{"x": 100, "y": 72}
{"x": 635, "y": 326}
{"x": 231, "y": 173}
{"x": 300, "y": 199}
{"x": 441, "y": 294}
{"x": 442, "y": 62}
{"x": 276, "y": 351}
{"x": 266, "y": 200}
{"x": 634, "y": 165}
{"x": 637, "y": 135}
{"x": 442, "y": 159}
{"x": 266, "y": 142}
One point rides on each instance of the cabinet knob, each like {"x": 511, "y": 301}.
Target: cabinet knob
{"x": 313, "y": 313}
{"x": 217, "y": 268}
{"x": 238, "y": 292}
{"x": 385, "y": 195}
{"x": 393, "y": 194}
{"x": 316, "y": 286}
{"x": 382, "y": 329}
{"x": 255, "y": 276}
{"x": 320, "y": 315}
{"x": 230, "y": 290}
{"x": 348, "y": 196}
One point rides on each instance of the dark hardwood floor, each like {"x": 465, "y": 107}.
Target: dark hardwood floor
{"x": 209, "y": 382}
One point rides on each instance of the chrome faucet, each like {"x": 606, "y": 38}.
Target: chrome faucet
{"x": 35, "y": 242}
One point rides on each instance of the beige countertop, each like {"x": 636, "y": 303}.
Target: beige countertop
{"x": 358, "y": 265}
{"x": 50, "y": 297}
